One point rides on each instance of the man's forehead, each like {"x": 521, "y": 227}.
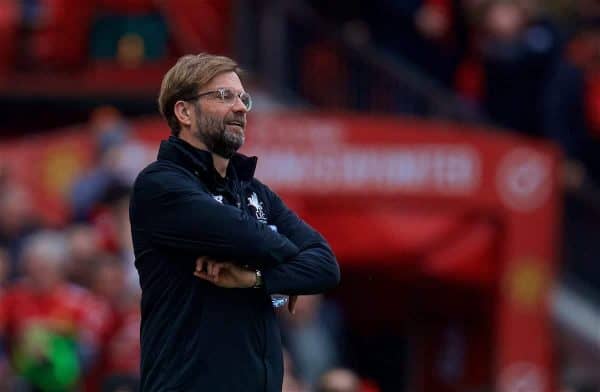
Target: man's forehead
{"x": 226, "y": 80}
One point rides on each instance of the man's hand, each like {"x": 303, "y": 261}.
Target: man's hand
{"x": 224, "y": 274}
{"x": 231, "y": 276}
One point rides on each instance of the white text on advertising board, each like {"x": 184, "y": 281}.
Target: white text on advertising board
{"x": 447, "y": 169}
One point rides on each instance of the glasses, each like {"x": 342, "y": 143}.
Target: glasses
{"x": 226, "y": 96}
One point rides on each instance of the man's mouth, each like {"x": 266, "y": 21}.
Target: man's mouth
{"x": 240, "y": 124}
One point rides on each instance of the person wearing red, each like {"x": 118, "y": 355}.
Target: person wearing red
{"x": 53, "y": 328}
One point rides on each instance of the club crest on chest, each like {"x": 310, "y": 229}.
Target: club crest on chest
{"x": 258, "y": 207}
{"x": 218, "y": 198}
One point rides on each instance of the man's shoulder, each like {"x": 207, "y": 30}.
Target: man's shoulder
{"x": 160, "y": 171}
{"x": 163, "y": 177}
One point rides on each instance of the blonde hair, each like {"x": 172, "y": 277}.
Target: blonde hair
{"x": 183, "y": 80}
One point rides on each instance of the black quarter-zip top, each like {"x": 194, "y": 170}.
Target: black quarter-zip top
{"x": 196, "y": 336}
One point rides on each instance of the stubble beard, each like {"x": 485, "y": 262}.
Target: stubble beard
{"x": 217, "y": 138}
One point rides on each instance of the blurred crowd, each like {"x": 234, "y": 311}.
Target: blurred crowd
{"x": 69, "y": 296}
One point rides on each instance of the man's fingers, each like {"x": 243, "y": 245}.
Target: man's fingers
{"x": 217, "y": 269}
{"x": 205, "y": 264}
{"x": 213, "y": 269}
{"x": 205, "y": 268}
{"x": 203, "y": 275}
{"x": 201, "y": 263}
{"x": 292, "y": 303}
{"x": 208, "y": 269}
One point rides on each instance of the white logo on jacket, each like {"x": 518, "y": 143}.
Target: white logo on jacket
{"x": 258, "y": 206}
{"x": 218, "y": 198}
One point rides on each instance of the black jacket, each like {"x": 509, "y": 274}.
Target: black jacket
{"x": 196, "y": 336}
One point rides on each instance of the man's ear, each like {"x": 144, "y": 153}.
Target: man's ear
{"x": 183, "y": 113}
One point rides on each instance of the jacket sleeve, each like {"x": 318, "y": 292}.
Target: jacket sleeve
{"x": 313, "y": 270}
{"x": 175, "y": 214}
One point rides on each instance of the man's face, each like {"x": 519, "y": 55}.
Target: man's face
{"x": 217, "y": 124}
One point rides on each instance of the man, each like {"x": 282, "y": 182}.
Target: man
{"x": 212, "y": 243}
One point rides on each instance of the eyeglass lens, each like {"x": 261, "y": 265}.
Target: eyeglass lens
{"x": 229, "y": 97}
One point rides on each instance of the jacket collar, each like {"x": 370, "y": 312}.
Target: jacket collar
{"x": 184, "y": 154}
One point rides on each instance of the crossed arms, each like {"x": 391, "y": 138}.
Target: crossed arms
{"x": 295, "y": 260}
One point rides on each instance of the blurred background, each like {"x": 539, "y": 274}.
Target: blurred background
{"x": 448, "y": 149}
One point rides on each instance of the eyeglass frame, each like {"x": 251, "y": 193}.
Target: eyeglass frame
{"x": 221, "y": 91}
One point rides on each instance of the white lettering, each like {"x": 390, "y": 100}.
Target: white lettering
{"x": 442, "y": 169}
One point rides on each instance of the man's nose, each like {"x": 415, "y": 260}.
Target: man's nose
{"x": 238, "y": 105}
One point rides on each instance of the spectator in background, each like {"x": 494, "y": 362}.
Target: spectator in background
{"x": 110, "y": 130}
{"x": 53, "y": 329}
{"x": 428, "y": 33}
{"x": 108, "y": 281}
{"x": 17, "y": 221}
{"x": 103, "y": 258}
{"x": 119, "y": 158}
{"x": 312, "y": 337}
{"x": 572, "y": 120}
{"x": 515, "y": 50}
{"x": 84, "y": 250}
{"x": 111, "y": 221}
{"x": 122, "y": 360}
{"x": 572, "y": 107}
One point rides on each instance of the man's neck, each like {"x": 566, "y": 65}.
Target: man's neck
{"x": 219, "y": 162}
